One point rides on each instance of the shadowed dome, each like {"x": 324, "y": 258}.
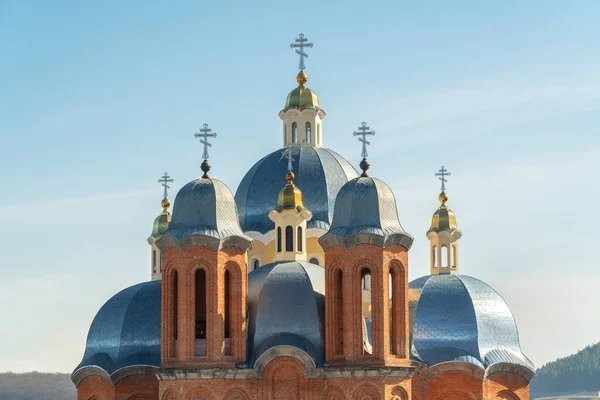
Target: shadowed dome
{"x": 461, "y": 319}
{"x": 125, "y": 332}
{"x": 319, "y": 174}
{"x": 160, "y": 225}
{"x": 365, "y": 209}
{"x": 205, "y": 207}
{"x": 286, "y": 307}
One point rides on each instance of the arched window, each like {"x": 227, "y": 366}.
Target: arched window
{"x": 279, "y": 239}
{"x": 200, "y": 303}
{"x": 397, "y": 305}
{"x": 174, "y": 307}
{"x": 299, "y": 238}
{"x": 308, "y": 132}
{"x": 284, "y": 133}
{"x": 434, "y": 256}
{"x": 445, "y": 260}
{"x": 338, "y": 313}
{"x": 227, "y": 313}
{"x": 367, "y": 322}
{"x": 160, "y": 261}
{"x": 454, "y": 263}
{"x": 289, "y": 238}
{"x": 315, "y": 261}
{"x": 294, "y": 132}
{"x": 153, "y": 261}
{"x": 319, "y": 134}
{"x": 255, "y": 264}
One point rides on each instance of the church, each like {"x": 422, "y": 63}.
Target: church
{"x": 296, "y": 287}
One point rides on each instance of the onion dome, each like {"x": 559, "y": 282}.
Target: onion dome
{"x": 205, "y": 212}
{"x": 365, "y": 212}
{"x": 290, "y": 197}
{"x": 444, "y": 219}
{"x": 274, "y": 290}
{"x": 124, "y": 337}
{"x": 461, "y": 319}
{"x": 320, "y": 173}
{"x": 161, "y": 223}
{"x": 302, "y": 97}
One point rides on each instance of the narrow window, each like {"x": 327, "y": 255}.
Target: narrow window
{"x": 294, "y": 132}
{"x": 454, "y": 256}
{"x": 174, "y": 306}
{"x": 314, "y": 260}
{"x": 445, "y": 260}
{"x": 367, "y": 322}
{"x": 397, "y": 304}
{"x": 289, "y": 238}
{"x": 153, "y": 261}
{"x": 308, "y": 132}
{"x": 338, "y": 331}
{"x": 279, "y": 239}
{"x": 227, "y": 313}
{"x": 256, "y": 264}
{"x": 160, "y": 261}
{"x": 434, "y": 257}
{"x": 393, "y": 311}
{"x": 284, "y": 134}
{"x": 319, "y": 134}
{"x": 299, "y": 238}
{"x": 200, "y": 312}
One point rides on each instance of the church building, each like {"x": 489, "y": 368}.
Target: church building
{"x": 296, "y": 287}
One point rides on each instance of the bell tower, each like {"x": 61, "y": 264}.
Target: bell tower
{"x": 443, "y": 235}
{"x": 302, "y": 117}
{"x": 160, "y": 226}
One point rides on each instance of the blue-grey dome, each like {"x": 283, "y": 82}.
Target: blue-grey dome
{"x": 205, "y": 208}
{"x": 286, "y": 307}
{"x": 320, "y": 173}
{"x": 365, "y": 211}
{"x": 461, "y": 319}
{"x": 125, "y": 332}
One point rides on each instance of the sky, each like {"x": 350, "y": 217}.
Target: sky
{"x": 99, "y": 99}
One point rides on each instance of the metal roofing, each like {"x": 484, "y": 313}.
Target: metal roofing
{"x": 205, "y": 207}
{"x": 286, "y": 306}
{"x": 366, "y": 206}
{"x": 461, "y": 319}
{"x": 320, "y": 173}
{"x": 126, "y": 330}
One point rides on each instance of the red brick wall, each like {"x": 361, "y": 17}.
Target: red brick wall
{"x": 505, "y": 386}
{"x": 98, "y": 386}
{"x": 137, "y": 387}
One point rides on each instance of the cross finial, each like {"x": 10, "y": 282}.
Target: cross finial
{"x": 287, "y": 153}
{"x": 164, "y": 181}
{"x": 364, "y": 131}
{"x": 204, "y": 134}
{"x": 300, "y": 43}
{"x": 443, "y": 173}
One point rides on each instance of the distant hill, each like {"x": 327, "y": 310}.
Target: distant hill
{"x": 577, "y": 373}
{"x": 36, "y": 386}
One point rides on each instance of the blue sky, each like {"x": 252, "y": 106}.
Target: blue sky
{"x": 98, "y": 99}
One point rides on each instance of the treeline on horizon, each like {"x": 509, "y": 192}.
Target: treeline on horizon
{"x": 579, "y": 372}
{"x": 36, "y": 386}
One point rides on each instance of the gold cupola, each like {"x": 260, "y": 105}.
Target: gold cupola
{"x": 290, "y": 217}
{"x": 444, "y": 218}
{"x": 302, "y": 98}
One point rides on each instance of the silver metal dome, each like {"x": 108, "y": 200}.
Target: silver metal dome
{"x": 125, "y": 333}
{"x": 365, "y": 212}
{"x": 205, "y": 209}
{"x": 320, "y": 173}
{"x": 286, "y": 307}
{"x": 461, "y": 319}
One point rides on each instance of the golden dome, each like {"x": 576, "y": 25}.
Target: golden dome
{"x": 290, "y": 197}
{"x": 444, "y": 218}
{"x": 302, "y": 97}
{"x": 165, "y": 204}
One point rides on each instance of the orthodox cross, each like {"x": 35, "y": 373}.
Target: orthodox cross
{"x": 301, "y": 44}
{"x": 204, "y": 134}
{"x": 443, "y": 173}
{"x": 287, "y": 153}
{"x": 164, "y": 181}
{"x": 363, "y": 130}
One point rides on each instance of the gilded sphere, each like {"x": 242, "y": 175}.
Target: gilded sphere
{"x": 443, "y": 197}
{"x": 165, "y": 203}
{"x": 301, "y": 78}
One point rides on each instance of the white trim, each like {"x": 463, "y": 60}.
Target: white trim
{"x": 270, "y": 236}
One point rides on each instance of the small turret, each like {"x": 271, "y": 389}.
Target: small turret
{"x": 159, "y": 227}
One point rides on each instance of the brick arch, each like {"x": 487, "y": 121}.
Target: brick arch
{"x": 399, "y": 393}
{"x": 334, "y": 393}
{"x": 456, "y": 396}
{"x": 237, "y": 394}
{"x": 169, "y": 395}
{"x": 506, "y": 395}
{"x": 201, "y": 393}
{"x": 366, "y": 392}
{"x": 284, "y": 377}
{"x": 139, "y": 397}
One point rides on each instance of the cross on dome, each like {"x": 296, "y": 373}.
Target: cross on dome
{"x": 300, "y": 43}
{"x": 287, "y": 153}
{"x": 204, "y": 134}
{"x": 364, "y": 131}
{"x": 164, "y": 181}
{"x": 443, "y": 173}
